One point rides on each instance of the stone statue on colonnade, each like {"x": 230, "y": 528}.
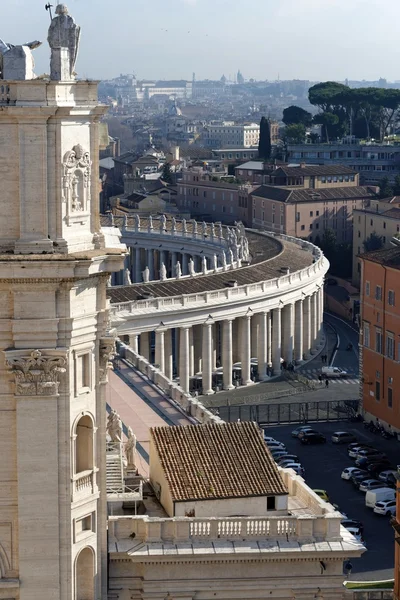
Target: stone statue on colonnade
{"x": 146, "y": 275}
{"x": 16, "y": 62}
{"x": 64, "y": 35}
{"x": 114, "y": 426}
{"x": 137, "y": 221}
{"x": 130, "y": 450}
{"x": 163, "y": 223}
{"x": 192, "y": 271}
{"x": 163, "y": 272}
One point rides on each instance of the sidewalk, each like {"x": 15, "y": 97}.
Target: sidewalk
{"x": 140, "y": 406}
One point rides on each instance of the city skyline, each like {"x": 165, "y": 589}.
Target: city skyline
{"x": 159, "y": 41}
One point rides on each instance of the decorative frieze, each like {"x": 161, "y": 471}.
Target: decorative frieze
{"x": 35, "y": 373}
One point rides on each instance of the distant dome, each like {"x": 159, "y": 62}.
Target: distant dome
{"x": 174, "y": 110}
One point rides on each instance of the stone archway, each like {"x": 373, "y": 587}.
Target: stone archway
{"x": 85, "y": 575}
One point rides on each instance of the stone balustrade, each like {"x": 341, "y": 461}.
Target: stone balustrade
{"x": 303, "y": 528}
{"x": 83, "y": 482}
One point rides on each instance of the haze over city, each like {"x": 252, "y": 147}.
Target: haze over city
{"x": 304, "y": 39}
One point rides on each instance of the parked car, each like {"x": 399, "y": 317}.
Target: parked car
{"x": 348, "y": 472}
{"x": 303, "y": 433}
{"x": 278, "y": 453}
{"x": 385, "y": 507}
{"x": 353, "y": 449}
{"x": 268, "y": 438}
{"x": 287, "y": 458}
{"x": 388, "y": 476}
{"x": 295, "y": 432}
{"x": 379, "y": 495}
{"x": 364, "y": 461}
{"x": 333, "y": 372}
{"x": 323, "y": 494}
{"x": 369, "y": 484}
{"x": 367, "y": 452}
{"x": 276, "y": 445}
{"x": 362, "y": 475}
{"x": 356, "y": 532}
{"x": 375, "y": 468}
{"x": 297, "y": 468}
{"x": 353, "y": 523}
{"x": 341, "y": 437}
{"x": 313, "y": 438}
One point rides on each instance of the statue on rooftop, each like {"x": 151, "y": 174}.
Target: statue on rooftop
{"x": 184, "y": 226}
{"x": 204, "y": 265}
{"x": 178, "y": 270}
{"x": 114, "y": 426}
{"x": 146, "y": 275}
{"x": 137, "y": 222}
{"x": 163, "y": 223}
{"x": 215, "y": 262}
{"x": 127, "y": 277}
{"x": 204, "y": 228}
{"x": 130, "y": 450}
{"x": 64, "y": 35}
{"x": 192, "y": 271}
{"x": 173, "y": 224}
{"x": 163, "y": 272}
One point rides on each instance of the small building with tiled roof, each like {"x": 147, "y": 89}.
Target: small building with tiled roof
{"x": 215, "y": 470}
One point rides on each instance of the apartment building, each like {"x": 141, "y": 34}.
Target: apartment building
{"x": 371, "y": 161}
{"x": 306, "y": 201}
{"x": 227, "y": 134}
{"x": 380, "y": 336}
{"x": 205, "y": 195}
{"x": 381, "y": 217}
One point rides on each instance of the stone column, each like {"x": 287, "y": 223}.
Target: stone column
{"x": 227, "y": 361}
{"x": 314, "y": 322}
{"x": 174, "y": 260}
{"x": 269, "y": 338}
{"x": 262, "y": 346}
{"x": 160, "y": 350}
{"x": 254, "y": 335}
{"x": 150, "y": 263}
{"x": 298, "y": 336}
{"x": 145, "y": 345}
{"x": 207, "y": 359}
{"x": 168, "y": 357}
{"x": 134, "y": 343}
{"x": 307, "y": 327}
{"x": 191, "y": 352}
{"x": 245, "y": 349}
{"x": 138, "y": 265}
{"x": 288, "y": 332}
{"x": 197, "y": 344}
{"x": 184, "y": 358}
{"x": 214, "y": 346}
{"x": 276, "y": 340}
{"x": 185, "y": 263}
{"x": 320, "y": 313}
{"x": 236, "y": 340}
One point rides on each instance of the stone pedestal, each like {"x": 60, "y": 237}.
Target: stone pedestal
{"x": 59, "y": 65}
{"x": 18, "y": 64}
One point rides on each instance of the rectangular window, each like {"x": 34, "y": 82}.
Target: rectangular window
{"x": 297, "y": 217}
{"x": 390, "y": 345}
{"x": 391, "y": 298}
{"x": 390, "y": 397}
{"x": 378, "y": 390}
{"x": 303, "y": 227}
{"x": 378, "y": 293}
{"x": 317, "y": 213}
{"x": 367, "y": 288}
{"x": 311, "y": 213}
{"x": 366, "y": 335}
{"x": 378, "y": 340}
{"x": 271, "y": 503}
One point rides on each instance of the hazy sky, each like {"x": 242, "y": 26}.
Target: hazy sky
{"x": 295, "y": 39}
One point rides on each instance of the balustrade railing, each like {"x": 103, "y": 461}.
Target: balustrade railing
{"x": 83, "y": 481}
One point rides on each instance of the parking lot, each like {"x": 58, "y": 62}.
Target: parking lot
{"x": 323, "y": 465}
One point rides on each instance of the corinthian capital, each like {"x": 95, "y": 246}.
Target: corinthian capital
{"x": 36, "y": 373}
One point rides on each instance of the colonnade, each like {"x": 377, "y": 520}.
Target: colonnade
{"x": 140, "y": 258}
{"x": 260, "y": 340}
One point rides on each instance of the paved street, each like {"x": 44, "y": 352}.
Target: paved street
{"x": 324, "y": 465}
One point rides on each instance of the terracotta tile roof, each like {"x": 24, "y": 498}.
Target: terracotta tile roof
{"x": 314, "y": 170}
{"x": 390, "y": 257}
{"x": 216, "y": 461}
{"x": 291, "y": 195}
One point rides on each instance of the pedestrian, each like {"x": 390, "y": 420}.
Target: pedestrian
{"x": 320, "y": 378}
{"x": 326, "y": 382}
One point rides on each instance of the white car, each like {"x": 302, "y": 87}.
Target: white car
{"x": 348, "y": 472}
{"x": 385, "y": 507}
{"x": 268, "y": 439}
{"x": 369, "y": 484}
{"x": 388, "y": 476}
{"x": 356, "y": 532}
{"x": 355, "y": 450}
{"x": 276, "y": 445}
{"x": 333, "y": 372}
{"x": 297, "y": 468}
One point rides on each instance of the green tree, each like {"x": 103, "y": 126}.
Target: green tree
{"x": 327, "y": 120}
{"x": 264, "y": 145}
{"x": 396, "y": 188}
{"x": 295, "y": 133}
{"x": 373, "y": 242}
{"x": 385, "y": 190}
{"x": 295, "y": 115}
{"x": 166, "y": 174}
{"x": 327, "y": 95}
{"x": 328, "y": 242}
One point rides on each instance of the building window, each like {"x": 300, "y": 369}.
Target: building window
{"x": 390, "y": 397}
{"x": 391, "y": 298}
{"x": 317, "y": 213}
{"x": 271, "y": 504}
{"x": 378, "y": 293}
{"x": 311, "y": 213}
{"x": 384, "y": 225}
{"x": 377, "y": 374}
{"x": 366, "y": 335}
{"x": 367, "y": 288}
{"x": 372, "y": 223}
{"x": 303, "y": 227}
{"x": 310, "y": 225}
{"x": 83, "y": 371}
{"x": 378, "y": 390}
{"x": 297, "y": 217}
{"x": 390, "y": 345}
{"x": 378, "y": 340}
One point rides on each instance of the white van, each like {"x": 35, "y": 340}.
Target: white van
{"x": 333, "y": 372}
{"x": 374, "y": 496}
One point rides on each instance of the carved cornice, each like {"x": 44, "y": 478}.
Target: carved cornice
{"x": 36, "y": 373}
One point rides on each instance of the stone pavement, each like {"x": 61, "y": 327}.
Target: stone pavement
{"x": 140, "y": 406}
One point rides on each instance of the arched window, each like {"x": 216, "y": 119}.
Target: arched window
{"x": 85, "y": 575}
{"x": 84, "y": 445}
